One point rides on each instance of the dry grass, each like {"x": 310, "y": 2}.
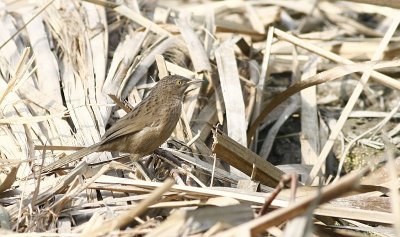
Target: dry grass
{"x": 306, "y": 87}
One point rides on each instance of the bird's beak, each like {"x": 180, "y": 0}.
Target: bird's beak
{"x": 195, "y": 81}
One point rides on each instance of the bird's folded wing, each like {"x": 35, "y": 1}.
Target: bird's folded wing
{"x": 131, "y": 123}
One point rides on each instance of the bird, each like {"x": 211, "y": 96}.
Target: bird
{"x": 145, "y": 128}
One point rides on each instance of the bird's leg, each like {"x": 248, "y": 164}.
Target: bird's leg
{"x": 135, "y": 158}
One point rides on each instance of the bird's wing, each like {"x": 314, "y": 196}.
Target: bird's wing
{"x": 134, "y": 121}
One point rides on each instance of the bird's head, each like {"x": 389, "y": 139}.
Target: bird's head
{"x": 174, "y": 85}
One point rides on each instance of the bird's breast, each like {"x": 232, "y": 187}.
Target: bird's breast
{"x": 169, "y": 117}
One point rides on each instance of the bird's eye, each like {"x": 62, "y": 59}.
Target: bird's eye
{"x": 179, "y": 82}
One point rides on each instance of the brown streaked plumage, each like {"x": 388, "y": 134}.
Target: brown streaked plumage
{"x": 145, "y": 128}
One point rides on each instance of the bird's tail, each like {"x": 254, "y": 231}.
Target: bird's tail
{"x": 70, "y": 158}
